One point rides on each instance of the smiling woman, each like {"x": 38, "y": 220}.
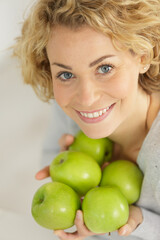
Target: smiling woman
{"x": 104, "y": 79}
{"x": 100, "y": 61}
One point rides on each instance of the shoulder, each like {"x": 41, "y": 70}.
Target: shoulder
{"x": 154, "y": 108}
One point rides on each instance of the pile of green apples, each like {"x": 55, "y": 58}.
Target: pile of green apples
{"x": 78, "y": 182}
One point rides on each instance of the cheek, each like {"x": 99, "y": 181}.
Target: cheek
{"x": 123, "y": 85}
{"x": 60, "y": 94}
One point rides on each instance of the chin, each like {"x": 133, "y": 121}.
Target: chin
{"x": 95, "y": 133}
{"x": 99, "y": 130}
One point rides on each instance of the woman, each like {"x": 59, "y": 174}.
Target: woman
{"x": 100, "y": 61}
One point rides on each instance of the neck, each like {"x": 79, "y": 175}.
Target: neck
{"x": 131, "y": 133}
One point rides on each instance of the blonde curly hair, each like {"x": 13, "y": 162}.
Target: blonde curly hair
{"x": 135, "y": 24}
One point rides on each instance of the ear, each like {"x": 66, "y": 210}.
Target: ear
{"x": 143, "y": 64}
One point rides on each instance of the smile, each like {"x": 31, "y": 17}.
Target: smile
{"x": 95, "y": 116}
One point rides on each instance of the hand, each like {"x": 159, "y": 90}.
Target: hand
{"x": 81, "y": 233}
{"x": 65, "y": 141}
{"x": 135, "y": 218}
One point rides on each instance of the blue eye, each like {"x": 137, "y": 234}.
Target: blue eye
{"x": 65, "y": 75}
{"x": 104, "y": 69}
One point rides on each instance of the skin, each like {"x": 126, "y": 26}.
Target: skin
{"x": 90, "y": 88}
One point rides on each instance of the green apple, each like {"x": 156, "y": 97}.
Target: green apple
{"x": 54, "y": 206}
{"x": 76, "y": 169}
{"x": 99, "y": 149}
{"x": 126, "y": 176}
{"x": 105, "y": 209}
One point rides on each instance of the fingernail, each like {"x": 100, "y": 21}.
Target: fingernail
{"x": 123, "y": 232}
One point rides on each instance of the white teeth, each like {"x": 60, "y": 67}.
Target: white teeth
{"x": 94, "y": 114}
{"x": 100, "y": 113}
{"x": 82, "y": 114}
{"x": 90, "y": 115}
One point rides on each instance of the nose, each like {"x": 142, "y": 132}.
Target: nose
{"x": 87, "y": 92}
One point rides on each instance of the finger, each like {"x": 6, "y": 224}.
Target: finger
{"x": 43, "y": 173}
{"x": 135, "y": 218}
{"x": 82, "y": 230}
{"x": 81, "y": 227}
{"x": 127, "y": 229}
{"x": 65, "y": 235}
{"x": 65, "y": 141}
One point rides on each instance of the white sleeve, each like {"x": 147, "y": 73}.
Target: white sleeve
{"x": 150, "y": 227}
{"x": 59, "y": 124}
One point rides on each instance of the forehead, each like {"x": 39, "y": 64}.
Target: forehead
{"x": 82, "y": 46}
{"x": 83, "y": 38}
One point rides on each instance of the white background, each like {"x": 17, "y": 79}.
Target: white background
{"x": 23, "y": 122}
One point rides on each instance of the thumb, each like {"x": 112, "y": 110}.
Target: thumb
{"x": 69, "y": 140}
{"x": 79, "y": 221}
{"x": 65, "y": 141}
{"x": 135, "y": 218}
{"x": 79, "y": 218}
{"x": 60, "y": 234}
{"x": 81, "y": 228}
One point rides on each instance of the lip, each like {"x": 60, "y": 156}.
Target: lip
{"x": 97, "y": 119}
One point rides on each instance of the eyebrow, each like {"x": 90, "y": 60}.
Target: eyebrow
{"x": 90, "y": 65}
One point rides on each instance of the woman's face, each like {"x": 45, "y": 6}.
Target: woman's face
{"x": 95, "y": 84}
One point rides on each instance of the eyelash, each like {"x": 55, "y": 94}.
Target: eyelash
{"x": 58, "y": 76}
{"x": 109, "y": 66}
